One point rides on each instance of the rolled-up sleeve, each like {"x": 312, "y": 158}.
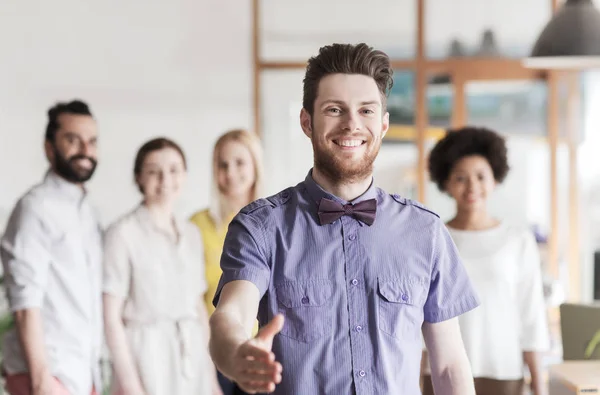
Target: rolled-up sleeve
{"x": 245, "y": 255}
{"x": 116, "y": 267}
{"x": 451, "y": 292}
{"x": 25, "y": 251}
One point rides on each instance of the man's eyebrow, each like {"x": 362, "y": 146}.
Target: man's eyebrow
{"x": 370, "y": 103}
{"x": 363, "y": 103}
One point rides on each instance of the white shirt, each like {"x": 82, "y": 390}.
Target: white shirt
{"x": 51, "y": 252}
{"x": 504, "y": 266}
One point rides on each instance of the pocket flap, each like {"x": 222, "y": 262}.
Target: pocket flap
{"x": 401, "y": 291}
{"x": 304, "y": 294}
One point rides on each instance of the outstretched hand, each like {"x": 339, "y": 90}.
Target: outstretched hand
{"x": 255, "y": 367}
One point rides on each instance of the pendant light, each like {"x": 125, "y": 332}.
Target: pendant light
{"x": 571, "y": 40}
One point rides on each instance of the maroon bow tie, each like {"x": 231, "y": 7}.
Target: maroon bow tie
{"x": 330, "y": 210}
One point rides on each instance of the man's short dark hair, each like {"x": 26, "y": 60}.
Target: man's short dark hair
{"x": 346, "y": 59}
{"x": 467, "y": 141}
{"x": 76, "y": 107}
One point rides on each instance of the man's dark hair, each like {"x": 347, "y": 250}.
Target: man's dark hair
{"x": 76, "y": 107}
{"x": 467, "y": 141}
{"x": 346, "y": 59}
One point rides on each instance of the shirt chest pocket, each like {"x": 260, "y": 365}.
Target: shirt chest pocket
{"x": 306, "y": 307}
{"x": 68, "y": 252}
{"x": 401, "y": 307}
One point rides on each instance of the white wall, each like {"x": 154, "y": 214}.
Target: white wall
{"x": 179, "y": 68}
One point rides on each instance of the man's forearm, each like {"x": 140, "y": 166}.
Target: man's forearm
{"x": 203, "y": 316}
{"x": 455, "y": 379}
{"x": 30, "y": 329}
{"x": 227, "y": 334}
{"x": 450, "y": 367}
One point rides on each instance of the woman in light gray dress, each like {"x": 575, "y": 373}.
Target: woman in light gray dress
{"x": 155, "y": 319}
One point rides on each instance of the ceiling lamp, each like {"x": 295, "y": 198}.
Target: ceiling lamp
{"x": 571, "y": 40}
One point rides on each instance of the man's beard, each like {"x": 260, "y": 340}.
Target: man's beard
{"x": 66, "y": 168}
{"x": 338, "y": 170}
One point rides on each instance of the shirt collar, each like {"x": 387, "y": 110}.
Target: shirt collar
{"x": 70, "y": 189}
{"x": 144, "y": 214}
{"x": 316, "y": 192}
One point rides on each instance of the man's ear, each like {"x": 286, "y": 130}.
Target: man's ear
{"x": 306, "y": 122}
{"x": 385, "y": 124}
{"x": 49, "y": 150}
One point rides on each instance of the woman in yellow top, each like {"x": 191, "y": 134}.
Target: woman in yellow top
{"x": 237, "y": 176}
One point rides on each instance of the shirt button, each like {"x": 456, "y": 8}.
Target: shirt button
{"x": 354, "y": 281}
{"x": 285, "y": 195}
{"x": 305, "y": 300}
{"x": 405, "y": 297}
{"x": 362, "y": 373}
{"x": 359, "y": 328}
{"x": 352, "y": 237}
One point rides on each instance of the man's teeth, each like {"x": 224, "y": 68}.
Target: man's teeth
{"x": 349, "y": 143}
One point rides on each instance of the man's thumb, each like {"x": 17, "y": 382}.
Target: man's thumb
{"x": 268, "y": 332}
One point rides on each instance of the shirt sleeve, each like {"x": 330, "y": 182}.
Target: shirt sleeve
{"x": 244, "y": 255}
{"x": 26, "y": 256}
{"x": 117, "y": 264}
{"x": 450, "y": 292}
{"x": 532, "y": 308}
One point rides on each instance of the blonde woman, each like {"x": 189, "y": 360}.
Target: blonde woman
{"x": 237, "y": 176}
{"x": 155, "y": 318}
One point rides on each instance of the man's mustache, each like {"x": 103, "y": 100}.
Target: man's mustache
{"x": 77, "y": 157}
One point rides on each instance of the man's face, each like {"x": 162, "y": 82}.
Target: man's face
{"x": 73, "y": 154}
{"x": 347, "y": 126}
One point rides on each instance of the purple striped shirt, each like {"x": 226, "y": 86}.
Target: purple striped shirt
{"x": 354, "y": 296}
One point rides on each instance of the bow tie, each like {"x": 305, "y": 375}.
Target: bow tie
{"x": 330, "y": 210}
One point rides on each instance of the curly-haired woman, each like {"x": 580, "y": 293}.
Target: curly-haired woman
{"x": 509, "y": 329}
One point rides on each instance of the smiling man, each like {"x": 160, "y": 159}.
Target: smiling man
{"x": 341, "y": 275}
{"x": 51, "y": 254}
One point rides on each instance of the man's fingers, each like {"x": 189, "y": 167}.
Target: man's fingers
{"x": 254, "y": 387}
{"x": 268, "y": 332}
{"x": 260, "y": 365}
{"x": 260, "y": 377}
{"x": 255, "y": 352}
{"x": 257, "y": 369}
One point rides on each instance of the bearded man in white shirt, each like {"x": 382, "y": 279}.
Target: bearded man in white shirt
{"x": 51, "y": 254}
